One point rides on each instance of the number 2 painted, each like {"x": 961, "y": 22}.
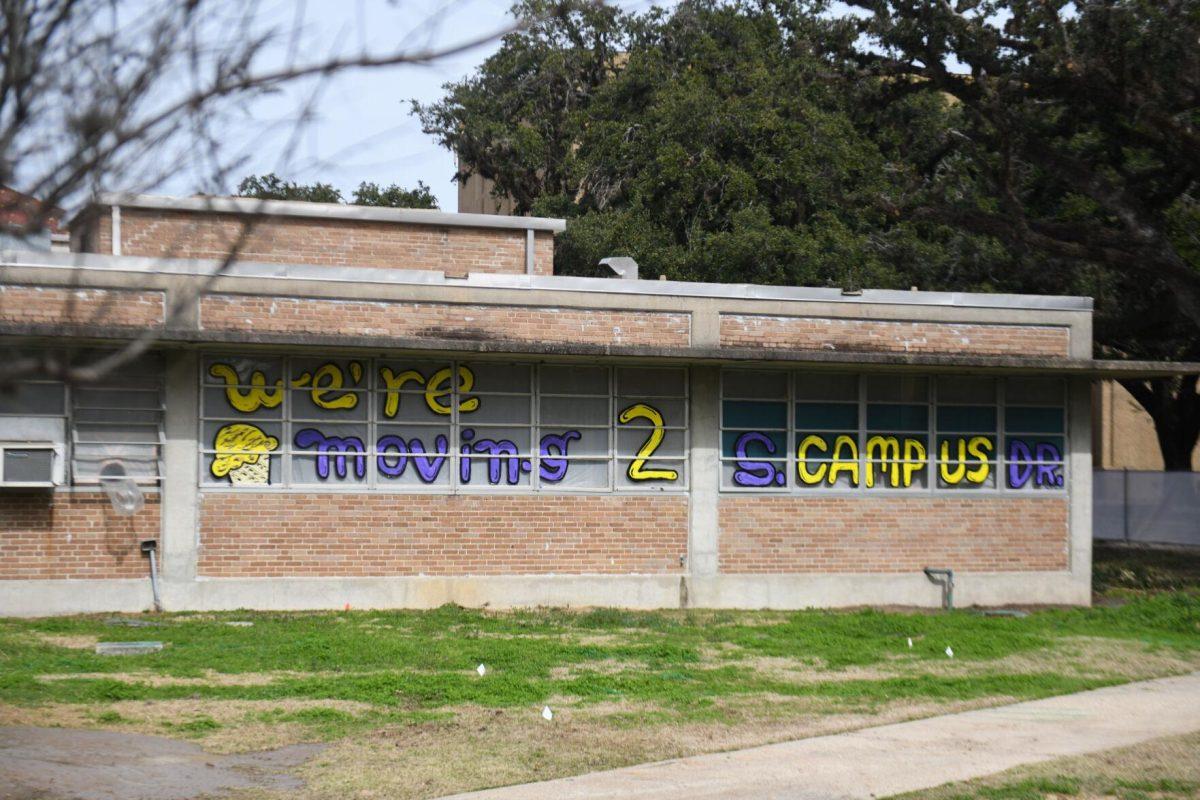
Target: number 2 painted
{"x": 637, "y": 468}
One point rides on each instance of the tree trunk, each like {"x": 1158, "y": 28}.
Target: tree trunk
{"x": 1174, "y": 406}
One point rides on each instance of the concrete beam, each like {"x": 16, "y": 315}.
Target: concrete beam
{"x": 180, "y": 483}
{"x": 45, "y": 597}
{"x": 705, "y": 483}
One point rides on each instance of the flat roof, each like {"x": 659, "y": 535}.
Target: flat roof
{"x": 336, "y": 211}
{"x": 481, "y": 280}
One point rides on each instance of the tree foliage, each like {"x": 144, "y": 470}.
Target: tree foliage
{"x": 723, "y": 141}
{"x": 1038, "y": 146}
{"x": 125, "y": 95}
{"x": 1078, "y": 146}
{"x": 272, "y": 187}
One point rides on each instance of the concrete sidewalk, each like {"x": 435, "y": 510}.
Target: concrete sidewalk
{"x": 876, "y": 762}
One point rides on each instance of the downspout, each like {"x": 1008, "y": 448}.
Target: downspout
{"x": 150, "y": 548}
{"x": 946, "y": 582}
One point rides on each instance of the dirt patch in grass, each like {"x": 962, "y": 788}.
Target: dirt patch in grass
{"x": 1161, "y": 769}
{"x": 74, "y": 642}
{"x": 220, "y": 726}
{"x": 210, "y": 678}
{"x": 1081, "y": 656}
{"x": 609, "y": 666}
{"x": 492, "y": 747}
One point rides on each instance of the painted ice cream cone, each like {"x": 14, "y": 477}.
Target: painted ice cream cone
{"x": 243, "y": 454}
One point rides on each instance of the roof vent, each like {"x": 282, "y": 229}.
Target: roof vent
{"x": 623, "y": 267}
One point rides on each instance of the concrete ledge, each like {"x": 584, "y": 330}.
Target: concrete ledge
{"x": 51, "y": 597}
{"x": 335, "y": 211}
{"x": 43, "y": 598}
{"x": 906, "y": 589}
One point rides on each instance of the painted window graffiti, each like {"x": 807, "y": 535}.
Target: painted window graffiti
{"x": 243, "y": 454}
{"x": 408, "y": 425}
{"x": 1034, "y": 436}
{"x": 890, "y": 433}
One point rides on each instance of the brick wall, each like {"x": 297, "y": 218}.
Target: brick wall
{"x": 825, "y": 333}
{"x": 54, "y": 535}
{"x": 443, "y": 320}
{"x": 275, "y": 535}
{"x": 334, "y": 242}
{"x": 56, "y": 305}
{"x": 891, "y": 534}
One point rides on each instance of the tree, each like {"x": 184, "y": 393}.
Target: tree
{"x": 369, "y": 194}
{"x": 1077, "y": 143}
{"x": 272, "y": 187}
{"x": 782, "y": 142}
{"x": 516, "y": 121}
{"x": 714, "y": 142}
{"x": 120, "y": 95}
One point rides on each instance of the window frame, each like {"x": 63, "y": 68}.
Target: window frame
{"x": 999, "y": 462}
{"x": 67, "y": 450}
{"x": 446, "y": 484}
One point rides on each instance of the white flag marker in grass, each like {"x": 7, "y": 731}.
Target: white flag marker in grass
{"x": 949, "y": 652}
{"x": 481, "y": 669}
{"x": 547, "y": 714}
{"x": 910, "y": 643}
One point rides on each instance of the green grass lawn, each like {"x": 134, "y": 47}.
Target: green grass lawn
{"x": 398, "y": 691}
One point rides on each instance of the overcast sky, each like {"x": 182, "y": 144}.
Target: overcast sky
{"x": 363, "y": 129}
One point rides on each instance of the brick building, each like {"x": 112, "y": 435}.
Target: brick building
{"x": 389, "y": 407}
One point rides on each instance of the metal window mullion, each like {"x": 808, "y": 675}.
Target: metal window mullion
{"x": 455, "y": 438}
{"x": 199, "y": 430}
{"x": 286, "y": 461}
{"x": 612, "y": 429}
{"x": 1065, "y": 400}
{"x": 1001, "y": 456}
{"x": 535, "y": 427}
{"x": 931, "y": 432}
{"x": 687, "y": 429}
{"x": 372, "y": 437}
{"x": 792, "y": 461}
{"x": 862, "y": 433}
{"x": 68, "y": 419}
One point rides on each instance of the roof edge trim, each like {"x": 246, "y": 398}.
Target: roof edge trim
{"x": 332, "y": 211}
{"x": 392, "y": 276}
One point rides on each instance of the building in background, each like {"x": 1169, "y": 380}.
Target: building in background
{"x": 16, "y": 211}
{"x": 476, "y": 195}
{"x": 1135, "y": 500}
{"x": 388, "y": 407}
{"x": 1123, "y": 437}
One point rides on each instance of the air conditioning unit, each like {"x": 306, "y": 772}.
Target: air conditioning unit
{"x": 31, "y": 464}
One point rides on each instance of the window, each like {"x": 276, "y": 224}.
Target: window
{"x": 754, "y": 429}
{"x": 966, "y": 423}
{"x": 119, "y": 419}
{"x": 896, "y": 447}
{"x": 891, "y": 433}
{"x": 116, "y": 419}
{"x": 1034, "y": 434}
{"x": 449, "y": 426}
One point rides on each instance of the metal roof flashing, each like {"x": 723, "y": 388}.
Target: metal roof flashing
{"x": 205, "y": 204}
{"x": 389, "y": 276}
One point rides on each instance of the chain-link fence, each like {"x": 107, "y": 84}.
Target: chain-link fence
{"x": 1149, "y": 507}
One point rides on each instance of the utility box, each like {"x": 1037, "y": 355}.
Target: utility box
{"x": 31, "y": 464}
